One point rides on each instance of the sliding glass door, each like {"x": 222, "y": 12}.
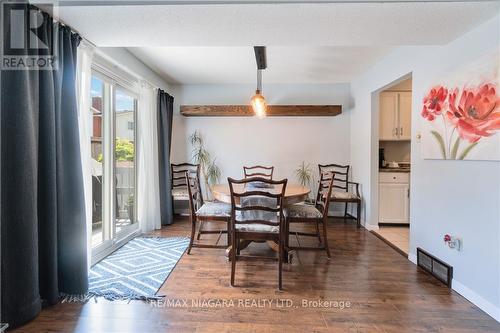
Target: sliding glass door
{"x": 124, "y": 160}
{"x": 113, "y": 115}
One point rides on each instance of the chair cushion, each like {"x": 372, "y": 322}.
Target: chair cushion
{"x": 303, "y": 211}
{"x": 344, "y": 195}
{"x": 180, "y": 193}
{"x": 255, "y": 227}
{"x": 218, "y": 209}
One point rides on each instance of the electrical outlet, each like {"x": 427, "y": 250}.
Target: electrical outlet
{"x": 453, "y": 242}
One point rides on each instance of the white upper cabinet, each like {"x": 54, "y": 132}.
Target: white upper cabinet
{"x": 395, "y": 116}
{"x": 404, "y": 115}
{"x": 388, "y": 116}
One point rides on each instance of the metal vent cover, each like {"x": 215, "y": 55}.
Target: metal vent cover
{"x": 436, "y": 267}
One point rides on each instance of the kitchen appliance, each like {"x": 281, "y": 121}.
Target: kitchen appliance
{"x": 381, "y": 157}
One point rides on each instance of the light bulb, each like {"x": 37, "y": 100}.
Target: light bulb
{"x": 259, "y": 105}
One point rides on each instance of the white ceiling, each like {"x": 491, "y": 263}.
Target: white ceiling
{"x": 222, "y": 65}
{"x": 212, "y": 43}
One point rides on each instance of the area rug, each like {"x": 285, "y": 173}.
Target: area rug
{"x": 137, "y": 270}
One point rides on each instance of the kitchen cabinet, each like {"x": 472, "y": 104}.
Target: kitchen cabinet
{"x": 395, "y": 115}
{"x": 394, "y": 197}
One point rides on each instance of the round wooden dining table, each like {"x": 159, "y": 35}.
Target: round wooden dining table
{"x": 294, "y": 193}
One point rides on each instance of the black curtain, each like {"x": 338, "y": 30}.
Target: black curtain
{"x": 165, "y": 113}
{"x": 43, "y": 231}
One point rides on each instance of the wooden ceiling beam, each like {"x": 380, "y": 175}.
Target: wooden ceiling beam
{"x": 272, "y": 110}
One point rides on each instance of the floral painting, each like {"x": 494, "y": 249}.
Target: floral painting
{"x": 462, "y": 115}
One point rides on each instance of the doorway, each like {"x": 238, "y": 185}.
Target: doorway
{"x": 394, "y": 164}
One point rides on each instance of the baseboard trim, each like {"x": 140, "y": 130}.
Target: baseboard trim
{"x": 412, "y": 257}
{"x": 370, "y": 227}
{"x": 470, "y": 295}
{"x": 479, "y": 301}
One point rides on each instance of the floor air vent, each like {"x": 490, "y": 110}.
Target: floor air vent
{"x": 438, "y": 268}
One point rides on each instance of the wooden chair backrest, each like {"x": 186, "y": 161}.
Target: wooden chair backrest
{"x": 258, "y": 171}
{"x": 341, "y": 172}
{"x": 195, "y": 197}
{"x": 324, "y": 192}
{"x": 244, "y": 191}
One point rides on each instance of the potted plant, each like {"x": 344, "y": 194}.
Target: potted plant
{"x": 210, "y": 171}
{"x": 305, "y": 175}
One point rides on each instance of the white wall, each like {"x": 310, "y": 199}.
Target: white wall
{"x": 125, "y": 60}
{"x": 280, "y": 141}
{"x": 457, "y": 197}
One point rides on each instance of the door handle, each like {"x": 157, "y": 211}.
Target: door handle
{"x": 401, "y": 131}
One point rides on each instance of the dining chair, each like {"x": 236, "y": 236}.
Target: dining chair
{"x": 207, "y": 212}
{"x": 257, "y": 215}
{"x": 258, "y": 171}
{"x": 343, "y": 189}
{"x": 311, "y": 214}
{"x": 178, "y": 180}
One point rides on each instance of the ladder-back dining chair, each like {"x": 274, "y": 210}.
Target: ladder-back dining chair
{"x": 257, "y": 215}
{"x": 343, "y": 190}
{"x": 311, "y": 214}
{"x": 205, "y": 212}
{"x": 179, "y": 186}
{"x": 258, "y": 171}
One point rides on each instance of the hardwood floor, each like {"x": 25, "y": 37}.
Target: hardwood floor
{"x": 382, "y": 292}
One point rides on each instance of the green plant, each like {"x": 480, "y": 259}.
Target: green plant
{"x": 124, "y": 150}
{"x": 130, "y": 200}
{"x": 213, "y": 173}
{"x": 304, "y": 174}
{"x": 200, "y": 155}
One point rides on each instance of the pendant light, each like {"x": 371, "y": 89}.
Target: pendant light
{"x": 258, "y": 102}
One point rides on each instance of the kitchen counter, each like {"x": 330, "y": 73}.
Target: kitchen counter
{"x": 407, "y": 170}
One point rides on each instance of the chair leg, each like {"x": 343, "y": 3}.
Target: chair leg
{"x": 345, "y": 212}
{"x": 317, "y": 232}
{"x": 280, "y": 264}
{"x": 286, "y": 240}
{"x": 191, "y": 239}
{"x": 358, "y": 216}
{"x": 325, "y": 237}
{"x": 228, "y": 234}
{"x": 233, "y": 258}
{"x": 200, "y": 229}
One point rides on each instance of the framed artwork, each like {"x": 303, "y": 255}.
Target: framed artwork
{"x": 461, "y": 114}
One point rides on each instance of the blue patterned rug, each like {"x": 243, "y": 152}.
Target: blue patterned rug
{"x": 136, "y": 270}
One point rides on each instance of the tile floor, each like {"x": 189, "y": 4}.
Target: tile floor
{"x": 397, "y": 235}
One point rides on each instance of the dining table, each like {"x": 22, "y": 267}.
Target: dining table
{"x": 294, "y": 193}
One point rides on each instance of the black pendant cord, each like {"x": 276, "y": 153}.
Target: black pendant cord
{"x": 259, "y": 80}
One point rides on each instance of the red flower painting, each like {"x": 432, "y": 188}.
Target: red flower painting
{"x": 434, "y": 103}
{"x": 477, "y": 113}
{"x": 473, "y": 112}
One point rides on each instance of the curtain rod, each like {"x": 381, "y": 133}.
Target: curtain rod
{"x": 48, "y": 10}
{"x": 60, "y": 21}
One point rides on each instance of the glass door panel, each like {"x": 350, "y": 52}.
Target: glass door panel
{"x": 124, "y": 161}
{"x": 112, "y": 127}
{"x": 97, "y": 158}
